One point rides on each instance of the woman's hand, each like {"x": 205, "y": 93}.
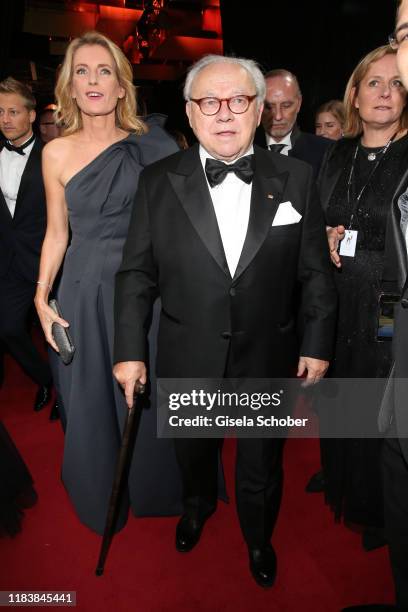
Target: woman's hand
{"x": 334, "y": 236}
{"x": 47, "y": 317}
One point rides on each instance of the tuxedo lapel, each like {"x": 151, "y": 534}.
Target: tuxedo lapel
{"x": 294, "y": 137}
{"x": 328, "y": 182}
{"x": 5, "y": 214}
{"x": 395, "y": 241}
{"x": 32, "y": 172}
{"x": 267, "y": 190}
{"x": 192, "y": 190}
{"x": 4, "y": 209}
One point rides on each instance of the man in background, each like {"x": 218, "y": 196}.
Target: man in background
{"x": 48, "y": 128}
{"x": 280, "y": 132}
{"x": 22, "y": 229}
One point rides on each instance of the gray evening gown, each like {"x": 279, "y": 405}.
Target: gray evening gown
{"x": 99, "y": 199}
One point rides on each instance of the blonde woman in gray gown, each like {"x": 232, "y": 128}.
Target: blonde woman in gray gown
{"x": 91, "y": 176}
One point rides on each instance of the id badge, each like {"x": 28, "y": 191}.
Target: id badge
{"x": 349, "y": 243}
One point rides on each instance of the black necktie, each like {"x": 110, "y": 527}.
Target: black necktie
{"x": 19, "y": 150}
{"x": 276, "y": 148}
{"x": 216, "y": 170}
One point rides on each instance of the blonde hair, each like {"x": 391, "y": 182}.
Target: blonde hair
{"x": 12, "y": 86}
{"x": 353, "y": 125}
{"x": 335, "y": 107}
{"x": 68, "y": 114}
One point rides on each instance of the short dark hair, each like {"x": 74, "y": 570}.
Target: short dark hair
{"x": 12, "y": 86}
{"x": 282, "y": 72}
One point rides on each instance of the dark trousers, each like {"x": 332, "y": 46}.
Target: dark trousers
{"x": 395, "y": 484}
{"x": 258, "y": 480}
{"x": 16, "y": 303}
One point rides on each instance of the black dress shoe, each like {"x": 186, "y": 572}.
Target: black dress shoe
{"x": 262, "y": 563}
{"x": 188, "y": 532}
{"x": 371, "y": 608}
{"x": 43, "y": 397}
{"x": 54, "y": 414}
{"x": 316, "y": 484}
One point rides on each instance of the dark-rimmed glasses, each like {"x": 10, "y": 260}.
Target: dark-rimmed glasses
{"x": 396, "y": 38}
{"x": 236, "y": 104}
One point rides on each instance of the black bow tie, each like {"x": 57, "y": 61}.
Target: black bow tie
{"x": 276, "y": 148}
{"x": 216, "y": 170}
{"x": 19, "y": 150}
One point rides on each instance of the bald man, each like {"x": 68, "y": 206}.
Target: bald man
{"x": 279, "y": 131}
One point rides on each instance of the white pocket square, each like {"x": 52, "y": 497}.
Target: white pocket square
{"x": 286, "y": 215}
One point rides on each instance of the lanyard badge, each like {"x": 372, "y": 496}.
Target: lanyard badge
{"x": 349, "y": 243}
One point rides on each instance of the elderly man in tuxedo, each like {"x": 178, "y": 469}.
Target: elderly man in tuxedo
{"x": 22, "y": 229}
{"x": 226, "y": 233}
{"x": 279, "y": 131}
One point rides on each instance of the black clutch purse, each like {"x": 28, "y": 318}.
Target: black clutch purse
{"x": 62, "y": 336}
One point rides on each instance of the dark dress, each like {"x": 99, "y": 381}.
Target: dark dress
{"x": 16, "y": 486}
{"x": 352, "y": 467}
{"x": 99, "y": 199}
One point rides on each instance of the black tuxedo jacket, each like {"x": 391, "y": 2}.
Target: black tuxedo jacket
{"x": 174, "y": 249}
{"x": 395, "y": 279}
{"x": 306, "y": 147}
{"x": 21, "y": 236}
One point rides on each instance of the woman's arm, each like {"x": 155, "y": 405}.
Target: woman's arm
{"x": 56, "y": 237}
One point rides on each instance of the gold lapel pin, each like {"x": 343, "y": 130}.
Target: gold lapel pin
{"x": 270, "y": 196}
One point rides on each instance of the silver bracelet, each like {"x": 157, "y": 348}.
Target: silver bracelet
{"x": 44, "y": 283}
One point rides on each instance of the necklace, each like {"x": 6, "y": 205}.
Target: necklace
{"x": 373, "y": 169}
{"x": 372, "y": 155}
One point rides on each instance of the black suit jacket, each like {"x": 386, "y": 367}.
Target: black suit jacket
{"x": 174, "y": 249}
{"x": 306, "y": 147}
{"x": 21, "y": 236}
{"x": 394, "y": 406}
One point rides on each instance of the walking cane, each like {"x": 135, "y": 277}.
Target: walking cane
{"x": 121, "y": 469}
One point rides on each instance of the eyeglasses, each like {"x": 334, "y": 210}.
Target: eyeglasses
{"x": 392, "y": 41}
{"x": 395, "y": 40}
{"x": 236, "y": 104}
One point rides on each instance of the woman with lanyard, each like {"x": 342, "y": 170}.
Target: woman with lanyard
{"x": 356, "y": 182}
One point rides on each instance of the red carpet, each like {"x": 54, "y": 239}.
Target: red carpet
{"x": 321, "y": 565}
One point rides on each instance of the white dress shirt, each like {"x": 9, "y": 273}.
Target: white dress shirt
{"x": 285, "y": 141}
{"x": 232, "y": 201}
{"x": 12, "y": 166}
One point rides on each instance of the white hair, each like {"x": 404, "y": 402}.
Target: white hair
{"x": 249, "y": 65}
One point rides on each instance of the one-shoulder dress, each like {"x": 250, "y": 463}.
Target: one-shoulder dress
{"x": 99, "y": 200}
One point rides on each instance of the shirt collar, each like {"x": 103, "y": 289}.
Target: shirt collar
{"x": 286, "y": 141}
{"x": 204, "y": 155}
{"x": 23, "y": 143}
